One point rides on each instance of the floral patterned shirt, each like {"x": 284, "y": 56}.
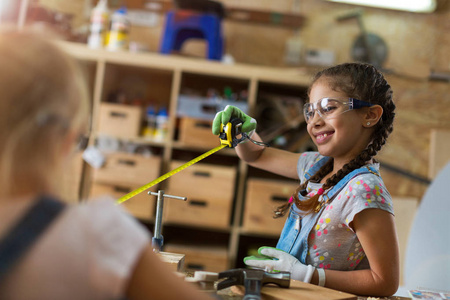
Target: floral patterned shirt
{"x": 332, "y": 242}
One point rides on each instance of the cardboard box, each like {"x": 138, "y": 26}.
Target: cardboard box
{"x": 201, "y": 257}
{"x": 205, "y": 108}
{"x": 209, "y": 190}
{"x": 262, "y": 197}
{"x": 197, "y": 132}
{"x": 119, "y": 120}
{"x": 125, "y": 169}
{"x": 142, "y": 206}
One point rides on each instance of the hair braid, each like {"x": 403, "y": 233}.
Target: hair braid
{"x": 362, "y": 81}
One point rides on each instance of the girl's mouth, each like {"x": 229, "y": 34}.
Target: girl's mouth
{"x": 322, "y": 137}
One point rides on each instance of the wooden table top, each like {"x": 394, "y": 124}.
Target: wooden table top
{"x": 297, "y": 290}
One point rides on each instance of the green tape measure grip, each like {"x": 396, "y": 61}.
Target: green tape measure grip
{"x": 229, "y": 137}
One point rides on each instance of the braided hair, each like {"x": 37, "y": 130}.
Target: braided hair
{"x": 361, "y": 81}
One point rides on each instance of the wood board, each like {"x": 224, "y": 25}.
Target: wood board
{"x": 439, "y": 150}
{"x": 297, "y": 290}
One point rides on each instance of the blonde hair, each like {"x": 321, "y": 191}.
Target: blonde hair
{"x": 43, "y": 99}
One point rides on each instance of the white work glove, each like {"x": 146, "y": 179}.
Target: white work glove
{"x": 273, "y": 259}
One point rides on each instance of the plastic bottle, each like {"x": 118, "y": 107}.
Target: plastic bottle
{"x": 99, "y": 25}
{"x": 118, "y": 34}
{"x": 150, "y": 126}
{"x": 162, "y": 124}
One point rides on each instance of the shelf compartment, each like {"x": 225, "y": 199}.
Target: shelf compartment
{"x": 201, "y": 257}
{"x": 128, "y": 169}
{"x": 210, "y": 193}
{"x": 262, "y": 197}
{"x": 142, "y": 206}
{"x": 137, "y": 85}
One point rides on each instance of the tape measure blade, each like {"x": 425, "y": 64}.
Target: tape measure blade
{"x": 167, "y": 175}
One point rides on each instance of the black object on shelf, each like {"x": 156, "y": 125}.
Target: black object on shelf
{"x": 204, "y": 6}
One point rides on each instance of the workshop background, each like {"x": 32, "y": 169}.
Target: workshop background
{"x": 417, "y": 65}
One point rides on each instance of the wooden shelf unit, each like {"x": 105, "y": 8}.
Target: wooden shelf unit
{"x": 165, "y": 79}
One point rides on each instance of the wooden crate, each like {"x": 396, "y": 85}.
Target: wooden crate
{"x": 197, "y": 132}
{"x": 142, "y": 206}
{"x": 125, "y": 169}
{"x": 262, "y": 197}
{"x": 210, "y": 193}
{"x": 119, "y": 120}
{"x": 201, "y": 257}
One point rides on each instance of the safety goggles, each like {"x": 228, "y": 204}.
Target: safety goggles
{"x": 329, "y": 108}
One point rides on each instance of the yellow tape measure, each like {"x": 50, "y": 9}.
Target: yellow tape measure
{"x": 168, "y": 174}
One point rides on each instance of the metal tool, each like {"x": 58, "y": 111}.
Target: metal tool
{"x": 253, "y": 280}
{"x": 229, "y": 136}
{"x": 158, "y": 239}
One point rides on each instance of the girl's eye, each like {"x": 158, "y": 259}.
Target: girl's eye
{"x": 329, "y": 109}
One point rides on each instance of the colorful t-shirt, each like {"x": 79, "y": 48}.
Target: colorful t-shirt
{"x": 332, "y": 242}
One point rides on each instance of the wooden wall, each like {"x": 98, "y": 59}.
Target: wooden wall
{"x": 417, "y": 43}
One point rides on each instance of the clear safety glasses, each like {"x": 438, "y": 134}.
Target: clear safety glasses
{"x": 329, "y": 108}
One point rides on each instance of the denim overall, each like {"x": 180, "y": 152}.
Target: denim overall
{"x": 294, "y": 237}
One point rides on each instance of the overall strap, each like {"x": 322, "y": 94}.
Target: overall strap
{"x": 343, "y": 182}
{"x": 311, "y": 171}
{"x": 26, "y": 231}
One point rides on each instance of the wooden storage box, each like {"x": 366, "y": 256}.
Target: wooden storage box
{"x": 209, "y": 190}
{"x": 142, "y": 206}
{"x": 128, "y": 169}
{"x": 197, "y": 132}
{"x": 119, "y": 120}
{"x": 201, "y": 258}
{"x": 262, "y": 197}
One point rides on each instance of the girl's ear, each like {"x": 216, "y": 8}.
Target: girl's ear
{"x": 372, "y": 116}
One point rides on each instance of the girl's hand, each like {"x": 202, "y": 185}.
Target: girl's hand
{"x": 273, "y": 259}
{"x": 232, "y": 112}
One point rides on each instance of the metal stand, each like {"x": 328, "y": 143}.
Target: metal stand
{"x": 158, "y": 239}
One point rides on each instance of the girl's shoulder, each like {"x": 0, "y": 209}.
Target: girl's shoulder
{"x": 306, "y": 161}
{"x": 367, "y": 190}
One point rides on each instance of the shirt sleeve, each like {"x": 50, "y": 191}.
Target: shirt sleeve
{"x": 116, "y": 243}
{"x": 305, "y": 162}
{"x": 363, "y": 192}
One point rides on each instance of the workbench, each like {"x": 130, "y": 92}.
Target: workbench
{"x": 298, "y": 290}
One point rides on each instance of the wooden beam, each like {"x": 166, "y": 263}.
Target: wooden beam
{"x": 237, "y": 14}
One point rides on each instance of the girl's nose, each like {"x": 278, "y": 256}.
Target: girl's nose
{"x": 316, "y": 120}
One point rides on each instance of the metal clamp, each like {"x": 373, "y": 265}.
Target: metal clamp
{"x": 158, "y": 239}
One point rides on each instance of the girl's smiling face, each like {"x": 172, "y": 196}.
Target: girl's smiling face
{"x": 342, "y": 137}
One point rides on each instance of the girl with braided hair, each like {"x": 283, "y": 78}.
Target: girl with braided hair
{"x": 340, "y": 230}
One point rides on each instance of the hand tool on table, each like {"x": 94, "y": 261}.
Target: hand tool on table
{"x": 230, "y": 136}
{"x": 253, "y": 280}
{"x": 158, "y": 239}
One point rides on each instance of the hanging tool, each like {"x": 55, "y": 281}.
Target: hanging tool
{"x": 253, "y": 280}
{"x": 158, "y": 239}
{"x": 230, "y": 136}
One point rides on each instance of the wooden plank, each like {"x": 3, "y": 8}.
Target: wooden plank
{"x": 297, "y": 290}
{"x": 439, "y": 151}
{"x": 231, "y": 13}
{"x": 175, "y": 261}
